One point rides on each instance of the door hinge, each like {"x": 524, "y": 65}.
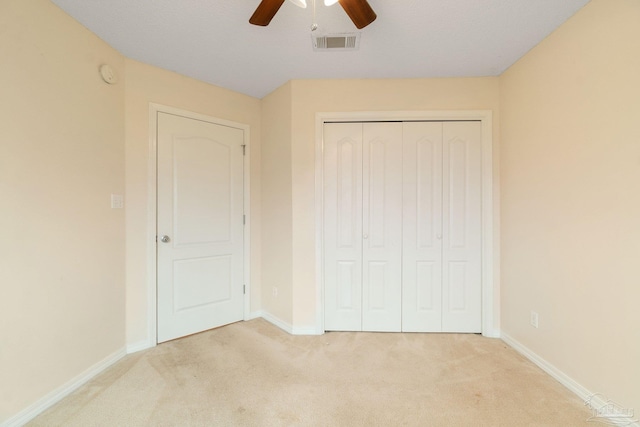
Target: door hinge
{"x": 244, "y": 289}
{"x": 244, "y": 149}
{"x": 244, "y": 219}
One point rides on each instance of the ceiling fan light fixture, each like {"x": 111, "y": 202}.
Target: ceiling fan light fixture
{"x": 300, "y": 3}
{"x": 359, "y": 11}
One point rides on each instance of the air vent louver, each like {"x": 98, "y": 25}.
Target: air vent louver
{"x": 335, "y": 42}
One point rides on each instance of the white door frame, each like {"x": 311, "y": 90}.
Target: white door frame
{"x": 152, "y": 210}
{"x": 490, "y": 286}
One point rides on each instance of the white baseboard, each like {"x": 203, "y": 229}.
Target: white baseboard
{"x": 253, "y": 315}
{"x": 293, "y": 330}
{"x": 495, "y": 333}
{"x": 560, "y": 376}
{"x": 139, "y": 346}
{"x": 29, "y": 413}
{"x": 276, "y": 321}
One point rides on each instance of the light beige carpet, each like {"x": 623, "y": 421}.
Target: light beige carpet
{"x": 254, "y": 374}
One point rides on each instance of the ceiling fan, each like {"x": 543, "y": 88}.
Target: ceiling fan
{"x": 358, "y": 10}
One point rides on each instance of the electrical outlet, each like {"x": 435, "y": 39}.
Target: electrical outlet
{"x": 534, "y": 319}
{"x": 275, "y": 292}
{"x": 117, "y": 201}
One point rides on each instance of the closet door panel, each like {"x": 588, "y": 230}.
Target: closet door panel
{"x": 402, "y": 226}
{"x": 342, "y": 175}
{"x": 462, "y": 215}
{"x": 382, "y": 227}
{"x": 422, "y": 227}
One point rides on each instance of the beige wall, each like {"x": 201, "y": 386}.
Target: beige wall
{"x": 570, "y": 122}
{"x": 146, "y": 84}
{"x": 312, "y": 96}
{"x": 276, "y": 205}
{"x": 62, "y": 294}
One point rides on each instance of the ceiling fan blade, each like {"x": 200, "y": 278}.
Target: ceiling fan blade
{"x": 265, "y": 12}
{"x": 359, "y": 11}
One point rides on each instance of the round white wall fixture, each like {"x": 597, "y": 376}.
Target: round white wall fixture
{"x": 108, "y": 75}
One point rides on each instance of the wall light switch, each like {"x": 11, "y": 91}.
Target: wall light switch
{"x": 117, "y": 201}
{"x": 533, "y": 320}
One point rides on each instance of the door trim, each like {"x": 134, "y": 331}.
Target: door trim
{"x": 490, "y": 252}
{"x": 152, "y": 212}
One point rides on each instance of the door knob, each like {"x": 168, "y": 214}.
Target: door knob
{"x": 365, "y": 236}
{"x": 165, "y": 239}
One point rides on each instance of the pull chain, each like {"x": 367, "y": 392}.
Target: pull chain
{"x": 314, "y": 25}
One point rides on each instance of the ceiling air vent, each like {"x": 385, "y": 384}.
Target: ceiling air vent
{"x": 336, "y": 42}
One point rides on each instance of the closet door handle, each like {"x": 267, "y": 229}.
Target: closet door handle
{"x": 365, "y": 236}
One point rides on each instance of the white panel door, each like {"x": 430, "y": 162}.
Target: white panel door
{"x": 200, "y": 211}
{"x": 382, "y": 227}
{"x": 402, "y": 226}
{"x": 462, "y": 227}
{"x": 422, "y": 227}
{"x": 342, "y": 171}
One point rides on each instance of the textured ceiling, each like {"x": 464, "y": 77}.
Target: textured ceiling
{"x": 212, "y": 40}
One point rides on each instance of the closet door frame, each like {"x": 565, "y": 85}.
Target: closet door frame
{"x": 490, "y": 232}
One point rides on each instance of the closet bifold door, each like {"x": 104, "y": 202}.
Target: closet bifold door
{"x": 342, "y": 226}
{"x": 382, "y": 227}
{"x": 362, "y": 226}
{"x": 402, "y": 226}
{"x": 442, "y": 286}
{"x": 462, "y": 227}
{"x": 422, "y": 227}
